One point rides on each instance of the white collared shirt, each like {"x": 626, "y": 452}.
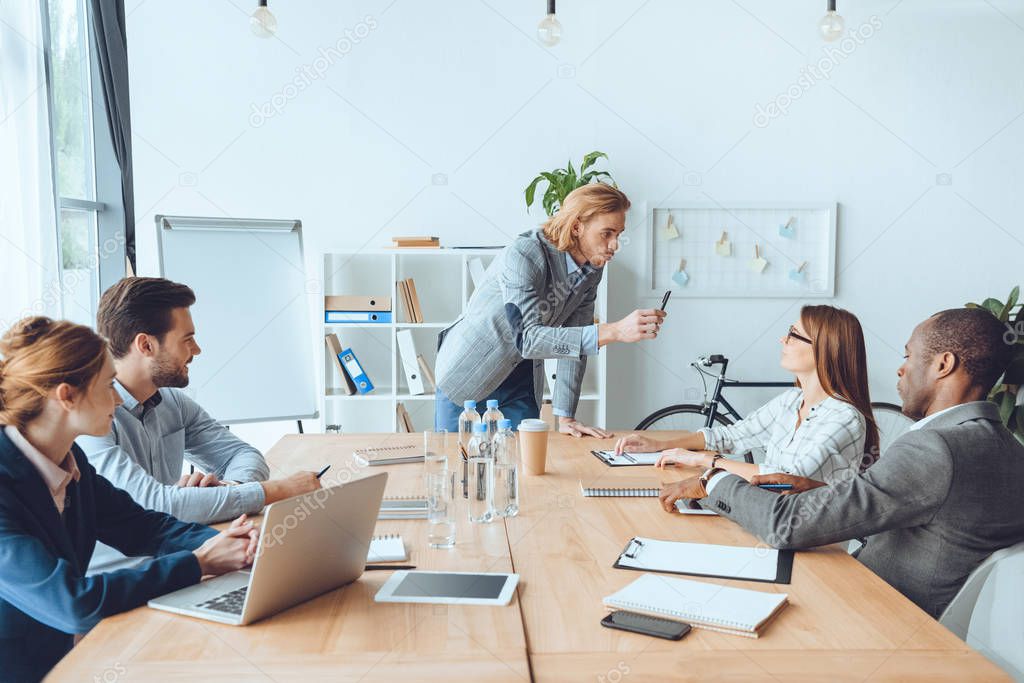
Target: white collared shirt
{"x": 56, "y": 477}
{"x": 928, "y": 418}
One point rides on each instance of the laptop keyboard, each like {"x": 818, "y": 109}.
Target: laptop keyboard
{"x": 229, "y": 602}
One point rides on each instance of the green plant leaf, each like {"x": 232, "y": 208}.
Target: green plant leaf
{"x": 993, "y": 306}
{"x": 1007, "y": 405}
{"x": 1011, "y": 301}
{"x": 531, "y": 189}
{"x": 589, "y": 177}
{"x": 590, "y": 159}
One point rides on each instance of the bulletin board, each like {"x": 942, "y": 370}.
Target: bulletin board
{"x": 743, "y": 249}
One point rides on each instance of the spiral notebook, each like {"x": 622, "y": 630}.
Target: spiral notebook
{"x": 736, "y": 611}
{"x": 403, "y": 507}
{"x": 388, "y": 455}
{"x": 387, "y": 548}
{"x": 622, "y": 487}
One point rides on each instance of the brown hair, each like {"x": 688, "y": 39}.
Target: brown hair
{"x": 40, "y": 354}
{"x": 841, "y": 362}
{"x": 139, "y": 305}
{"x": 582, "y": 204}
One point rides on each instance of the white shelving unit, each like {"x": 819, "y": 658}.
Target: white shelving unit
{"x": 444, "y": 286}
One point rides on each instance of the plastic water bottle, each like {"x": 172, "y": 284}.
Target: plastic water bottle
{"x": 504, "y": 447}
{"x": 467, "y": 419}
{"x": 492, "y": 417}
{"x": 481, "y": 476}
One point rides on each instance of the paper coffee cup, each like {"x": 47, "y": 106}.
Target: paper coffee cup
{"x": 533, "y": 442}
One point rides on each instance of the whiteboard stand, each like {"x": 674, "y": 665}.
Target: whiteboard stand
{"x": 251, "y": 315}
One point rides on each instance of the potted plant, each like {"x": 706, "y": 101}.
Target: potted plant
{"x": 1007, "y": 393}
{"x": 562, "y": 181}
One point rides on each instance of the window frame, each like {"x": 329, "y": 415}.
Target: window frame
{"x": 108, "y": 244}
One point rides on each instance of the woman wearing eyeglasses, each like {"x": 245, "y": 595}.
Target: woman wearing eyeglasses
{"x": 821, "y": 427}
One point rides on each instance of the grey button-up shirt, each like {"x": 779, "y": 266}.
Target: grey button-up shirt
{"x": 146, "y": 448}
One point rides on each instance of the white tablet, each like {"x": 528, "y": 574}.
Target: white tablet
{"x": 448, "y": 588}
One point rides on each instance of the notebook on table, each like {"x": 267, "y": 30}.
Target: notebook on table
{"x": 622, "y": 487}
{"x": 703, "y": 559}
{"x": 386, "y": 548}
{"x": 388, "y": 455}
{"x": 393, "y": 507}
{"x": 736, "y": 611}
{"x": 626, "y": 459}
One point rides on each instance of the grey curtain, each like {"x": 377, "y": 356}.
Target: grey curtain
{"x": 108, "y": 23}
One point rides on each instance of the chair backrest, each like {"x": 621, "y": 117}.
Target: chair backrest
{"x": 988, "y": 612}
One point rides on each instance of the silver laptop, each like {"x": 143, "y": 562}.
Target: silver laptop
{"x": 309, "y": 544}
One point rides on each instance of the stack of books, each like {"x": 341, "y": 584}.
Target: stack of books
{"x": 410, "y": 300}
{"x": 416, "y": 242}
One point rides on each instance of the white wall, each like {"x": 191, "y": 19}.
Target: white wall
{"x": 667, "y": 88}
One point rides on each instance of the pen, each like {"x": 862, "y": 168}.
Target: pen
{"x": 321, "y": 473}
{"x": 385, "y": 567}
{"x": 664, "y": 299}
{"x": 629, "y": 457}
{"x": 775, "y": 487}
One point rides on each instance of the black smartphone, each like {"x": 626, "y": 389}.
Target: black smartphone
{"x": 648, "y": 626}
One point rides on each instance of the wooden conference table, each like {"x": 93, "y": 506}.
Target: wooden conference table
{"x": 843, "y": 622}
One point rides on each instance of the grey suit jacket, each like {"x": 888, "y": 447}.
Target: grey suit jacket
{"x": 524, "y": 309}
{"x": 940, "y": 500}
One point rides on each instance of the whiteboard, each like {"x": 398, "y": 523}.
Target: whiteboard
{"x": 251, "y": 315}
{"x": 796, "y": 239}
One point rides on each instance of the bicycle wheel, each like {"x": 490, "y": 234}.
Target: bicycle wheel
{"x": 892, "y": 424}
{"x": 684, "y": 416}
{"x": 688, "y": 417}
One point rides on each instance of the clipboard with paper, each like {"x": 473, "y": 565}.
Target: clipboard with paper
{"x": 702, "y": 559}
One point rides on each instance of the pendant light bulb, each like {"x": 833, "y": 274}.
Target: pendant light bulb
{"x": 549, "y": 31}
{"x": 262, "y": 22}
{"x": 832, "y": 24}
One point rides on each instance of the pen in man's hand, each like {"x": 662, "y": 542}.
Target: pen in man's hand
{"x": 321, "y": 472}
{"x": 664, "y": 299}
{"x": 776, "y": 487}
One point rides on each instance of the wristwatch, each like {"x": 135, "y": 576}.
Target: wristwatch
{"x": 715, "y": 458}
{"x": 706, "y": 477}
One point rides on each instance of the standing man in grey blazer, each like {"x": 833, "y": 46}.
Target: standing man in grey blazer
{"x": 537, "y": 302}
{"x": 942, "y": 498}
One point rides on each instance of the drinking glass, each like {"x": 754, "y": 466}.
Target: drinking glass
{"x": 440, "y": 509}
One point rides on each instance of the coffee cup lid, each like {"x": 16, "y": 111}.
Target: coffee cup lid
{"x": 531, "y": 425}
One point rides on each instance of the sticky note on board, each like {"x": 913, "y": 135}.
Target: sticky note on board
{"x": 670, "y": 229}
{"x": 723, "y": 247}
{"x": 758, "y": 263}
{"x": 788, "y": 230}
{"x": 680, "y": 278}
{"x": 799, "y": 274}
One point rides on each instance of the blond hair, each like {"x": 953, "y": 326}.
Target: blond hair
{"x": 582, "y": 204}
{"x": 40, "y": 354}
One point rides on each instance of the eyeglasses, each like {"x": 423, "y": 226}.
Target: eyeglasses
{"x": 793, "y": 334}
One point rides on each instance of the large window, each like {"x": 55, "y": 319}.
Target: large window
{"x": 90, "y": 218}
